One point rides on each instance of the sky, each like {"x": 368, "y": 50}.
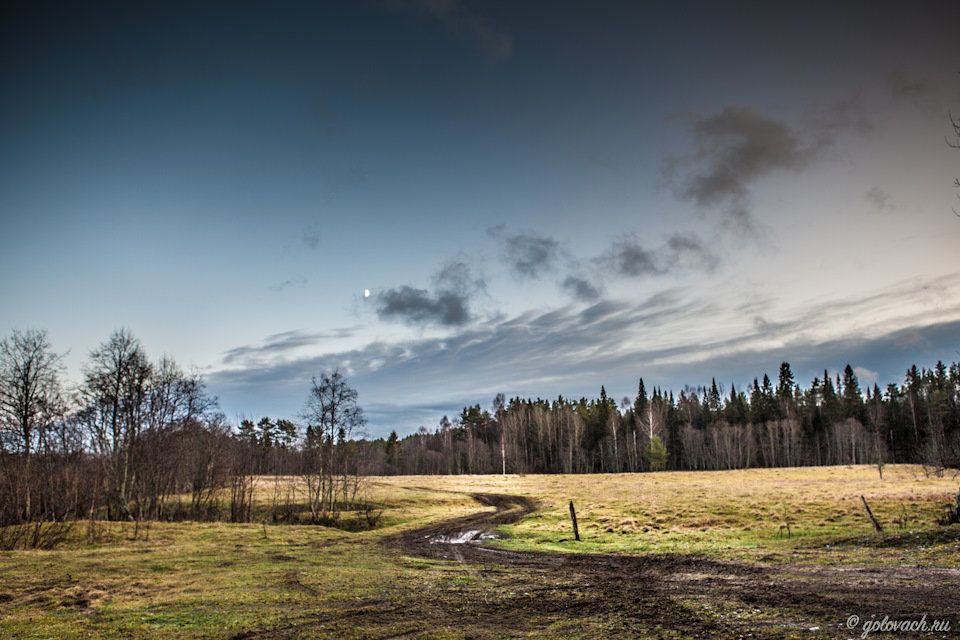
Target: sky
{"x": 540, "y": 198}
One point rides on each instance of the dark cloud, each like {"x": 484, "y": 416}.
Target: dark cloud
{"x": 419, "y": 306}
{"x": 447, "y": 305}
{"x": 881, "y": 199}
{"x": 581, "y": 289}
{"x": 529, "y": 255}
{"x": 733, "y": 149}
{"x": 628, "y": 257}
{"x": 740, "y": 145}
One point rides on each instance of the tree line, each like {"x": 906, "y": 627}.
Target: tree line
{"x": 831, "y": 421}
{"x": 143, "y": 440}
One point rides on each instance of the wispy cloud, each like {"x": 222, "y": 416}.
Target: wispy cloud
{"x": 283, "y": 344}
{"x": 530, "y": 347}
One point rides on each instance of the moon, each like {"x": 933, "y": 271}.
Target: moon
{"x": 366, "y": 293}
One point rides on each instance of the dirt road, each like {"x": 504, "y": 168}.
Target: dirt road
{"x": 674, "y": 596}
{"x": 469, "y": 589}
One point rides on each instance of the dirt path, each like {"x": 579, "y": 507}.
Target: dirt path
{"x": 480, "y": 592}
{"x": 662, "y": 596}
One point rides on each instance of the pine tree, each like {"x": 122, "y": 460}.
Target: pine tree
{"x": 640, "y": 404}
{"x": 713, "y": 401}
{"x": 852, "y": 396}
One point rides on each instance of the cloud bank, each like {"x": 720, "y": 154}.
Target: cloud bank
{"x": 571, "y": 350}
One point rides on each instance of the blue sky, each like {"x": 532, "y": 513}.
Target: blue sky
{"x": 540, "y": 197}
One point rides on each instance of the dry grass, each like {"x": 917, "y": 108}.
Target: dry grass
{"x": 192, "y": 580}
{"x": 729, "y": 514}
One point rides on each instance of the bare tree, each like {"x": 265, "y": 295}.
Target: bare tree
{"x": 115, "y": 395}
{"x": 333, "y": 417}
{"x": 176, "y": 417}
{"x": 31, "y": 402}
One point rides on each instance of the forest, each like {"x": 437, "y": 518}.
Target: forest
{"x": 832, "y": 421}
{"x": 142, "y": 440}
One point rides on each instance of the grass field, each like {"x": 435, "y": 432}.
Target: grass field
{"x": 199, "y": 580}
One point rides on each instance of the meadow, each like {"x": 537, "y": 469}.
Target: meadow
{"x": 715, "y": 543}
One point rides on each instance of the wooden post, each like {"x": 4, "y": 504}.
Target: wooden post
{"x": 876, "y": 525}
{"x": 953, "y": 515}
{"x": 573, "y": 519}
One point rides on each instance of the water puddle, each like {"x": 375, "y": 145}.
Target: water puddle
{"x": 467, "y": 537}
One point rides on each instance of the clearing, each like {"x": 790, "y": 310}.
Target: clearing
{"x": 664, "y": 555}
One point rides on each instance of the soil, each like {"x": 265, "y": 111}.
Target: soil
{"x": 507, "y": 594}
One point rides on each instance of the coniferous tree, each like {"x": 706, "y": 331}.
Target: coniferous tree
{"x": 640, "y": 409}
{"x": 852, "y": 396}
{"x": 785, "y": 387}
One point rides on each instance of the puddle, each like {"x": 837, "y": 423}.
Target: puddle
{"x": 467, "y": 537}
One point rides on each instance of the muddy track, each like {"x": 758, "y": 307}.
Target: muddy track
{"x": 676, "y": 594}
{"x": 494, "y": 593}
